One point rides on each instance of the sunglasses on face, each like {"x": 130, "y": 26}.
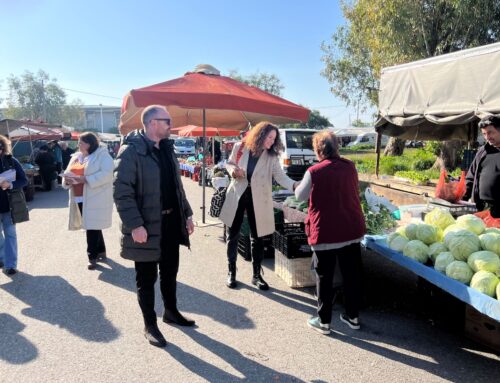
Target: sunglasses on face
{"x": 166, "y": 120}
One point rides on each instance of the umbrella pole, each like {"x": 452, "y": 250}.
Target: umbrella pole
{"x": 203, "y": 169}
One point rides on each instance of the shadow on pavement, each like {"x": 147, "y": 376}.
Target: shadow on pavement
{"x": 251, "y": 370}
{"x": 189, "y": 299}
{"x": 14, "y": 347}
{"x": 55, "y": 301}
{"x": 455, "y": 365}
{"x": 54, "y": 199}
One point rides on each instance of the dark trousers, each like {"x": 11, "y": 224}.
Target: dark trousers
{"x": 146, "y": 273}
{"x": 349, "y": 261}
{"x": 245, "y": 203}
{"x": 95, "y": 240}
{"x": 47, "y": 178}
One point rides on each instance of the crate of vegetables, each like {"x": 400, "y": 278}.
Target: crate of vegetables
{"x": 291, "y": 240}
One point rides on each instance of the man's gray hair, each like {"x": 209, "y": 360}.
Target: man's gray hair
{"x": 149, "y": 113}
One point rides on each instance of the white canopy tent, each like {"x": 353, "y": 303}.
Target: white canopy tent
{"x": 440, "y": 98}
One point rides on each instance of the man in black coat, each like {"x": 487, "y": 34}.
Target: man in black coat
{"x": 156, "y": 216}
{"x": 483, "y": 178}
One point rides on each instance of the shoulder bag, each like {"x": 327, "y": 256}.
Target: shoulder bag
{"x": 18, "y": 207}
{"x": 220, "y": 195}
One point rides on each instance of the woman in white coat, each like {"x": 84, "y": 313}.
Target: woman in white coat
{"x": 89, "y": 178}
{"x": 252, "y": 165}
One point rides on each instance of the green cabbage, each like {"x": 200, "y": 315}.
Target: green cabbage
{"x": 416, "y": 250}
{"x": 459, "y": 271}
{"x": 484, "y": 260}
{"x": 491, "y": 242}
{"x": 471, "y": 223}
{"x": 462, "y": 243}
{"x": 401, "y": 231}
{"x": 398, "y": 242}
{"x": 427, "y": 233}
{"x": 495, "y": 230}
{"x": 435, "y": 249}
{"x": 411, "y": 231}
{"x": 443, "y": 260}
{"x": 440, "y": 218}
{"x": 485, "y": 282}
{"x": 451, "y": 228}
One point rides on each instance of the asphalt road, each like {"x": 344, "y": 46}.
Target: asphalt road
{"x": 60, "y": 322}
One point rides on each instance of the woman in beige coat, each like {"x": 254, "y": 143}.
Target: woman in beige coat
{"x": 252, "y": 165}
{"x": 89, "y": 178}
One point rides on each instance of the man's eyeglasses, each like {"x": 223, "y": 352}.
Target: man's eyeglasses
{"x": 167, "y": 120}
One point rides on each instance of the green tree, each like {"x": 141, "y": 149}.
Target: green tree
{"x": 34, "y": 96}
{"x": 381, "y": 33}
{"x": 361, "y": 124}
{"x": 73, "y": 115}
{"x": 267, "y": 82}
{"x": 315, "y": 121}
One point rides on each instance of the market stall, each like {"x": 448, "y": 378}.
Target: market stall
{"x": 481, "y": 302}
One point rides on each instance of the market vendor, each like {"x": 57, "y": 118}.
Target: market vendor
{"x": 483, "y": 177}
{"x": 335, "y": 226}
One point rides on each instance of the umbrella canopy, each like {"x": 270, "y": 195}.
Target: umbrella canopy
{"x": 227, "y": 103}
{"x": 197, "y": 131}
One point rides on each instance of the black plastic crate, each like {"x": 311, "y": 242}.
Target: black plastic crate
{"x": 244, "y": 247}
{"x": 291, "y": 240}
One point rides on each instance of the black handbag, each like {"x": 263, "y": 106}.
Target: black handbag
{"x": 217, "y": 201}
{"x": 18, "y": 207}
{"x": 220, "y": 195}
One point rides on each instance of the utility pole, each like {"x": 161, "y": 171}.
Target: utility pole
{"x": 102, "y": 123}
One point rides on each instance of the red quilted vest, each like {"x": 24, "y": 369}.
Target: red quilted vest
{"x": 334, "y": 213}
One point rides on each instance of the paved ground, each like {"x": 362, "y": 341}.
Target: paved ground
{"x": 61, "y": 322}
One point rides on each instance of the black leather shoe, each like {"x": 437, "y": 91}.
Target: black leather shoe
{"x": 11, "y": 271}
{"x": 154, "y": 336}
{"x": 258, "y": 281}
{"x": 102, "y": 257}
{"x": 92, "y": 264}
{"x": 231, "y": 275}
{"x": 175, "y": 317}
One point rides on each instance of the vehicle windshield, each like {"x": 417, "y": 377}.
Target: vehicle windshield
{"x": 299, "y": 140}
{"x": 186, "y": 143}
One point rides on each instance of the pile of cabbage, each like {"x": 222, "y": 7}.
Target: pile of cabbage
{"x": 463, "y": 249}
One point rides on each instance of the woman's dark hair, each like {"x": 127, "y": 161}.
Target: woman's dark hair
{"x": 325, "y": 144}
{"x": 91, "y": 139}
{"x": 255, "y": 138}
{"x": 5, "y": 144}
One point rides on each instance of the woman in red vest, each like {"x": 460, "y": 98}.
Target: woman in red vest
{"x": 335, "y": 226}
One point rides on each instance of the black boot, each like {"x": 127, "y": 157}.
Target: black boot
{"x": 231, "y": 275}
{"x": 257, "y": 279}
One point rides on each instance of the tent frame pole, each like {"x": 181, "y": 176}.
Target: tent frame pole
{"x": 203, "y": 177}
{"x": 377, "y": 149}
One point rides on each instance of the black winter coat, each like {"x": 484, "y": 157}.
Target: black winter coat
{"x": 137, "y": 195}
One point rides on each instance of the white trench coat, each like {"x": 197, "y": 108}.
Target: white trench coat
{"x": 267, "y": 167}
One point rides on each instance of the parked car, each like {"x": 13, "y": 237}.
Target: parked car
{"x": 184, "y": 146}
{"x": 368, "y": 139}
{"x": 298, "y": 152}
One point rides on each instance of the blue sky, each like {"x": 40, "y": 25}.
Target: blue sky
{"x": 110, "y": 47}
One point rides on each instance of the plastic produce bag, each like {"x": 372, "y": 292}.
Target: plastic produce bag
{"x": 451, "y": 191}
{"x": 374, "y": 202}
{"x": 488, "y": 220}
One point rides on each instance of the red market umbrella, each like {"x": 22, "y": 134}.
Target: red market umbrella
{"x": 197, "y": 131}
{"x": 204, "y": 97}
{"x": 207, "y": 98}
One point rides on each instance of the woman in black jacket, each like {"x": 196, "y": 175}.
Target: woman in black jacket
{"x": 12, "y": 176}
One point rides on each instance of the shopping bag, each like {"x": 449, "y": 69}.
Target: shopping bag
{"x": 451, "y": 191}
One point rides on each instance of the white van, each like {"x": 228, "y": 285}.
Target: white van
{"x": 368, "y": 139}
{"x": 298, "y": 152}
{"x": 184, "y": 146}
